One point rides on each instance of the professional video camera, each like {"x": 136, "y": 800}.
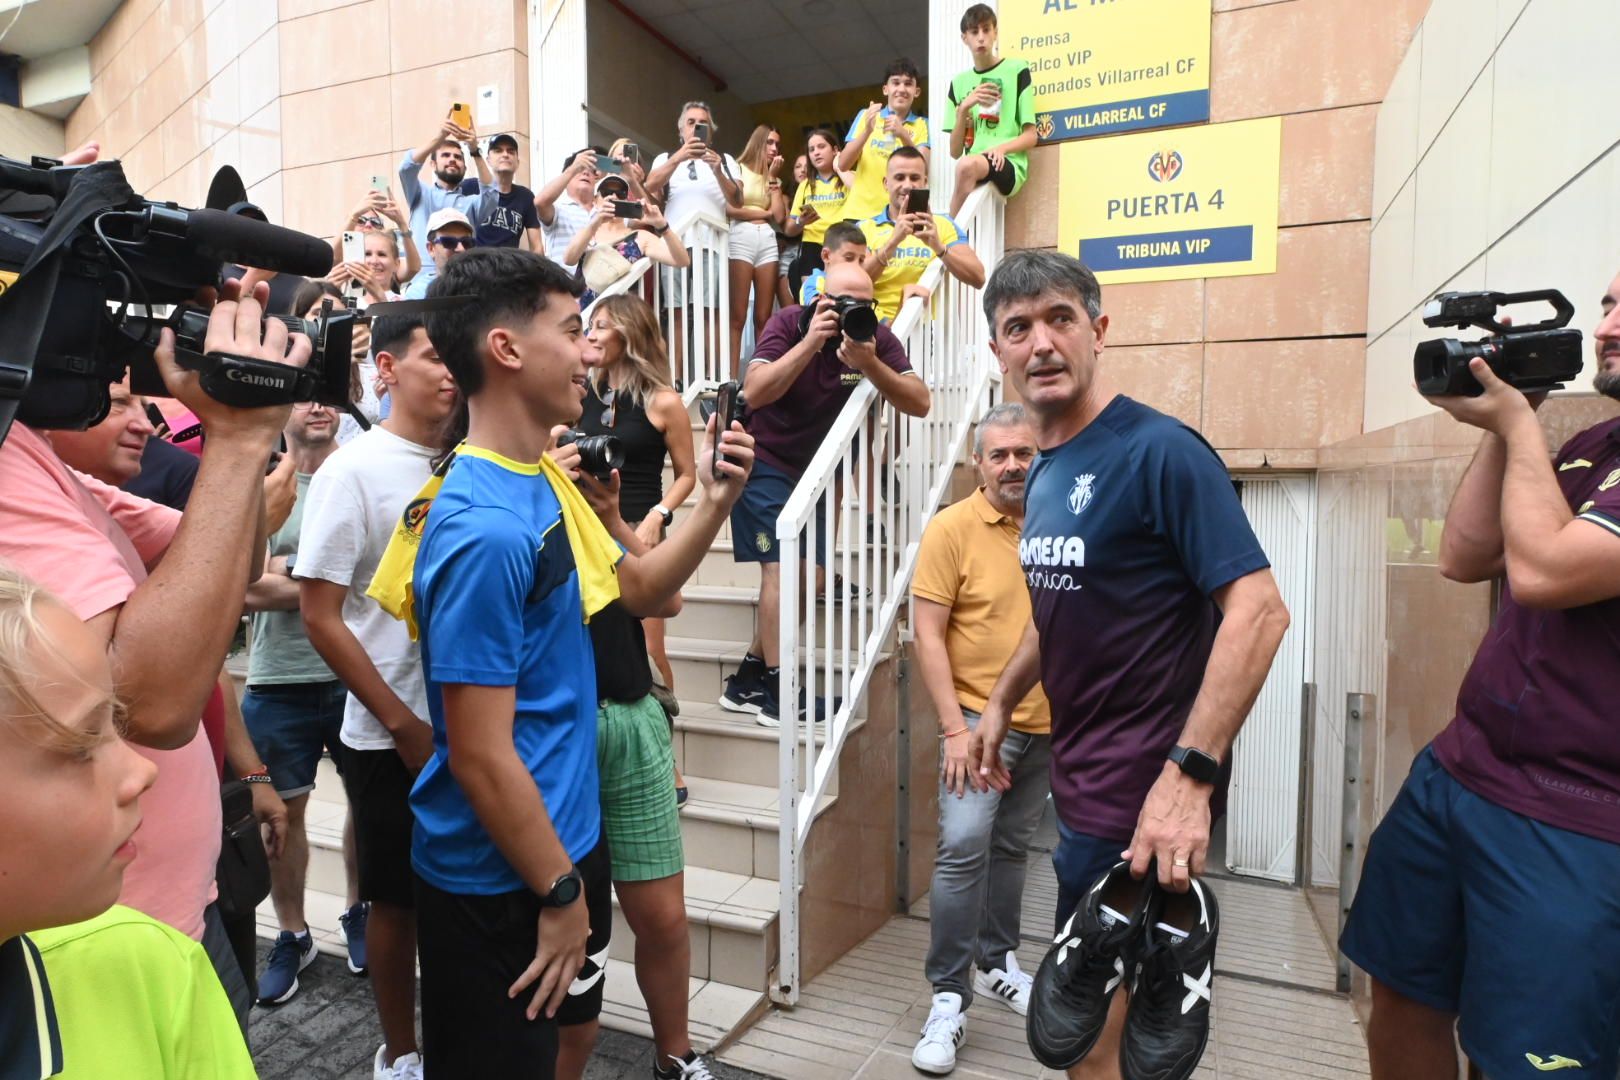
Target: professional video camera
{"x": 856, "y": 317}
{"x": 80, "y": 252}
{"x": 1537, "y": 356}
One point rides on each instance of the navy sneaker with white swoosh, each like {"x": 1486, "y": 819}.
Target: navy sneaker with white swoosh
{"x": 1167, "y": 1026}
{"x": 1088, "y": 961}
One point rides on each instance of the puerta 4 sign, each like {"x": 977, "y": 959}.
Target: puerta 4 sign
{"x": 1105, "y": 66}
{"x": 1161, "y": 205}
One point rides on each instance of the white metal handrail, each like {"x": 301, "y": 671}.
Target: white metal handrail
{"x": 877, "y": 478}
{"x": 702, "y": 360}
{"x": 697, "y": 317}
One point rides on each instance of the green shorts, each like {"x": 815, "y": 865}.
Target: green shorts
{"x": 640, "y": 818}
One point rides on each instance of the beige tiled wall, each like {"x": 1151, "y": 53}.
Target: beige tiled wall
{"x": 305, "y": 98}
{"x": 1269, "y": 367}
{"x": 1491, "y": 170}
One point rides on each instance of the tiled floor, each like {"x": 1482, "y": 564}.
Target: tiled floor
{"x": 1274, "y": 1013}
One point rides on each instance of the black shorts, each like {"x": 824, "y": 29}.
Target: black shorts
{"x": 1004, "y": 178}
{"x": 472, "y": 949}
{"x": 379, "y": 789}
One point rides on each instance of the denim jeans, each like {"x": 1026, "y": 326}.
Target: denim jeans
{"x": 978, "y": 888}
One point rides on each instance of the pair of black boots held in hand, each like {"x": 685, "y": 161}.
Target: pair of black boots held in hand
{"x": 1160, "y": 946}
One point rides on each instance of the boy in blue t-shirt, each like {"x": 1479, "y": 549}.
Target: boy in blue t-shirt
{"x": 513, "y": 910}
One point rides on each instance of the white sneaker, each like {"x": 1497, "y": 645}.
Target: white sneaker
{"x": 405, "y": 1067}
{"x": 1008, "y": 985}
{"x": 941, "y": 1035}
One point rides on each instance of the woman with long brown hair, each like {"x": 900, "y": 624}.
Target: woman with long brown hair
{"x": 817, "y": 205}
{"x": 752, "y": 244}
{"x": 631, "y": 398}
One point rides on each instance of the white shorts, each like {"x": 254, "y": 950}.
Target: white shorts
{"x": 752, "y": 242}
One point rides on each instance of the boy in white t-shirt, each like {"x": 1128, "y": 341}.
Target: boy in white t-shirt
{"x": 353, "y": 505}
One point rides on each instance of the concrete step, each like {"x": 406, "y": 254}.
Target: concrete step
{"x": 701, "y": 665}
{"x": 724, "y": 613}
{"x": 731, "y": 921}
{"x": 714, "y": 742}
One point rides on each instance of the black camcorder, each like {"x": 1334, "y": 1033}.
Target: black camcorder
{"x": 1534, "y": 357}
{"x": 88, "y": 266}
{"x": 599, "y": 455}
{"x": 856, "y": 317}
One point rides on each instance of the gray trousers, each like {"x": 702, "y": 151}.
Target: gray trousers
{"x": 216, "y": 941}
{"x": 978, "y": 888}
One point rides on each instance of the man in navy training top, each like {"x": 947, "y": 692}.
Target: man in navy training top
{"x": 1488, "y": 899}
{"x": 1155, "y": 613}
{"x": 513, "y": 908}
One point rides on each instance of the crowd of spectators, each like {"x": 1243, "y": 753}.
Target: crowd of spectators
{"x": 491, "y": 786}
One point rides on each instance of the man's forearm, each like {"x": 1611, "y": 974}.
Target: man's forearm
{"x": 510, "y": 808}
{"x": 659, "y": 177}
{"x": 164, "y": 676}
{"x": 350, "y": 662}
{"x": 1534, "y": 510}
{"x": 959, "y": 133}
{"x": 963, "y": 264}
{"x": 273, "y": 592}
{"x": 765, "y": 383}
{"x": 546, "y": 198}
{"x": 906, "y": 392}
{"x": 1239, "y": 661}
{"x": 241, "y": 756}
{"x": 647, "y": 582}
{"x": 1471, "y": 543}
{"x": 935, "y": 664}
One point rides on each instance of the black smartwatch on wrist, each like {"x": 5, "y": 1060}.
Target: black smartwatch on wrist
{"x": 565, "y": 890}
{"x": 1196, "y": 764}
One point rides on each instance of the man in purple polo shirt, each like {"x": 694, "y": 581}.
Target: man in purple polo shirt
{"x": 1490, "y": 898}
{"x": 1155, "y": 620}
{"x": 798, "y": 380}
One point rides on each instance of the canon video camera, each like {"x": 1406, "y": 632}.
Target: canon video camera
{"x": 87, "y": 265}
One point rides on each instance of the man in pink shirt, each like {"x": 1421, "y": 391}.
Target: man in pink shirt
{"x": 166, "y": 594}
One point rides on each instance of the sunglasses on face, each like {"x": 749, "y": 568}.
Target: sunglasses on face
{"x": 451, "y": 243}
{"x": 370, "y": 223}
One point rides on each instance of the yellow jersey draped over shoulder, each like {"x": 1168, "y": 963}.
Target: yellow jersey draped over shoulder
{"x": 910, "y": 259}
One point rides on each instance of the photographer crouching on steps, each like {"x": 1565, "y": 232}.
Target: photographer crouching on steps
{"x": 805, "y": 366}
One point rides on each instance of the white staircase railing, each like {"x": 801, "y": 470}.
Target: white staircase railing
{"x": 876, "y": 480}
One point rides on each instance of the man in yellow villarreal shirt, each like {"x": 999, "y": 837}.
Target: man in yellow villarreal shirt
{"x": 903, "y": 244}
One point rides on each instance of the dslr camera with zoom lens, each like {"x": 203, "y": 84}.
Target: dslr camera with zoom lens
{"x": 87, "y": 265}
{"x": 1535, "y": 357}
{"x": 599, "y": 455}
{"x": 856, "y": 317}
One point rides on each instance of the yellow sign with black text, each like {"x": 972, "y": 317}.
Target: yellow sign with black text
{"x": 1105, "y": 66}
{"x": 1163, "y": 205}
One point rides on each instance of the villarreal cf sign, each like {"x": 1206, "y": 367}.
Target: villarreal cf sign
{"x": 1160, "y": 205}
{"x": 1105, "y": 66}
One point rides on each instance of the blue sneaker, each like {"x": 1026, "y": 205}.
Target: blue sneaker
{"x": 352, "y": 929}
{"x": 290, "y": 954}
{"x": 742, "y": 694}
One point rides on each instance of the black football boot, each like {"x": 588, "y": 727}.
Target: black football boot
{"x": 1167, "y": 1026}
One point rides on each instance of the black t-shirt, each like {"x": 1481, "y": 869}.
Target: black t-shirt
{"x": 167, "y": 473}
{"x": 641, "y": 481}
{"x": 512, "y": 213}
{"x": 622, "y": 671}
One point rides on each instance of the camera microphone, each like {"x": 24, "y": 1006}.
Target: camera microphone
{"x": 235, "y": 238}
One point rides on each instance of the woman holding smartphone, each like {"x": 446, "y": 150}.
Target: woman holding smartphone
{"x": 817, "y": 205}
{"x": 752, "y": 243}
{"x": 606, "y": 249}
{"x": 379, "y": 213}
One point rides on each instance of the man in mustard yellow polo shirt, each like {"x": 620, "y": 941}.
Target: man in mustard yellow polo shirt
{"x": 971, "y": 603}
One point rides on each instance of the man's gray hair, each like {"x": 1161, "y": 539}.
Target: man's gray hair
{"x": 714, "y": 128}
{"x": 1024, "y": 275}
{"x": 1007, "y": 414}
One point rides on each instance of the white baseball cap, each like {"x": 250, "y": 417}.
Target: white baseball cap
{"x": 449, "y": 215}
